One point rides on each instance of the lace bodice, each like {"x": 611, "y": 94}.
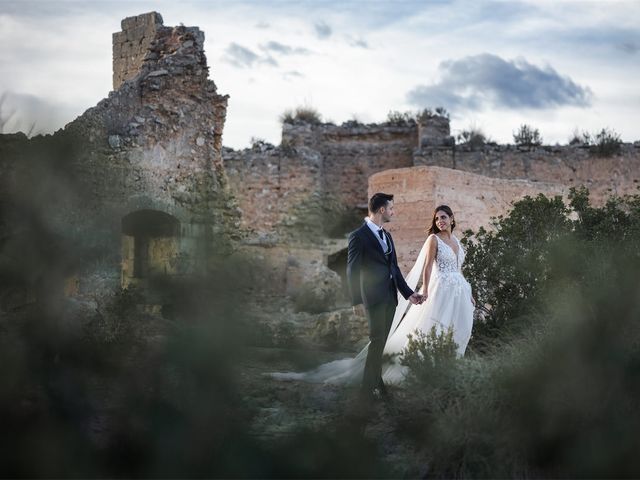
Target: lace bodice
{"x": 446, "y": 260}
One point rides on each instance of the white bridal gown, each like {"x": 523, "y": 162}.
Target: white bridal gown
{"x": 448, "y": 305}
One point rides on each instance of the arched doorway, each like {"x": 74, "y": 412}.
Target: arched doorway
{"x": 149, "y": 246}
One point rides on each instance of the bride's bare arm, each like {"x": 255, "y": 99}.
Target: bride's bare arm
{"x": 432, "y": 248}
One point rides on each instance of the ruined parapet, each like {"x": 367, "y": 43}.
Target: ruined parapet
{"x": 317, "y": 179}
{"x": 130, "y": 46}
{"x": 300, "y": 133}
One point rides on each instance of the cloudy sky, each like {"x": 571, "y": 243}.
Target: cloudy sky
{"x": 556, "y": 65}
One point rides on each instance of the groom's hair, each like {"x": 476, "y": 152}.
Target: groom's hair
{"x": 379, "y": 200}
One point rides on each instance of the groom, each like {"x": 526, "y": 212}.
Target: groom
{"x": 374, "y": 278}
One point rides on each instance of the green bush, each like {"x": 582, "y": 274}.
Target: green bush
{"x": 606, "y": 143}
{"x": 429, "y": 356}
{"x": 580, "y": 138}
{"x": 473, "y": 137}
{"x": 527, "y": 136}
{"x": 302, "y": 115}
{"x": 427, "y": 113}
{"x": 401, "y": 118}
{"x": 507, "y": 266}
{"x": 442, "y": 112}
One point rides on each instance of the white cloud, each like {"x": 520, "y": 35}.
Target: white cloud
{"x": 481, "y": 81}
{"x": 60, "y": 52}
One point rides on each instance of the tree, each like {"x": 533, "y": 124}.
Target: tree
{"x": 513, "y": 267}
{"x": 473, "y": 137}
{"x": 527, "y": 136}
{"x": 606, "y": 143}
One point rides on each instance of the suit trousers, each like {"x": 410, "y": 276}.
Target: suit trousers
{"x": 380, "y": 318}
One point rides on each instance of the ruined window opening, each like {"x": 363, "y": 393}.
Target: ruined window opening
{"x": 140, "y": 255}
{"x": 149, "y": 245}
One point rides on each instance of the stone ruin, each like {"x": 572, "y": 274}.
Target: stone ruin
{"x": 147, "y": 161}
{"x": 160, "y": 189}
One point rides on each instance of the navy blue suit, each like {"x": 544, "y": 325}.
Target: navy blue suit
{"x": 374, "y": 279}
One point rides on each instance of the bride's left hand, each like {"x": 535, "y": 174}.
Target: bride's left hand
{"x": 473, "y": 301}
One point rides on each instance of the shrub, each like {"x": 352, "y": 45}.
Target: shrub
{"x": 354, "y": 121}
{"x": 578, "y": 138}
{"x": 473, "y": 137}
{"x": 507, "y": 266}
{"x": 527, "y": 136}
{"x": 260, "y": 144}
{"x": 429, "y": 356}
{"x": 442, "y": 112}
{"x": 606, "y": 143}
{"x": 400, "y": 118}
{"x": 301, "y": 115}
{"x": 427, "y": 113}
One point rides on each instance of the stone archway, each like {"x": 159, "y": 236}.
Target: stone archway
{"x": 149, "y": 246}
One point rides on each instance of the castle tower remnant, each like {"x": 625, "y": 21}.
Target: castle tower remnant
{"x": 130, "y": 46}
{"x": 151, "y": 157}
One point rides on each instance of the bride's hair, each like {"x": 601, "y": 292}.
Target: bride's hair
{"x": 445, "y": 208}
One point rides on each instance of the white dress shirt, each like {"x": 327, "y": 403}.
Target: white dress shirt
{"x": 375, "y": 228}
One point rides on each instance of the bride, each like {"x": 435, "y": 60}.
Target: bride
{"x": 449, "y": 305}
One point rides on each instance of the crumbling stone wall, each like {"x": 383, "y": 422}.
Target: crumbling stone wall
{"x": 315, "y": 182}
{"x": 279, "y": 192}
{"x": 351, "y": 152}
{"x": 338, "y": 160}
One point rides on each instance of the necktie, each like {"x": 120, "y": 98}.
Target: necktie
{"x": 385, "y": 242}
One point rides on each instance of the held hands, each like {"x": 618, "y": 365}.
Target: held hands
{"x": 417, "y": 298}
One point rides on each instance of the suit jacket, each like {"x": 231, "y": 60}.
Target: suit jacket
{"x": 372, "y": 275}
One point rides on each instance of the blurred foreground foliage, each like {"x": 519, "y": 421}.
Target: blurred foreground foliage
{"x": 111, "y": 389}
{"x": 126, "y": 394}
{"x": 550, "y": 386}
